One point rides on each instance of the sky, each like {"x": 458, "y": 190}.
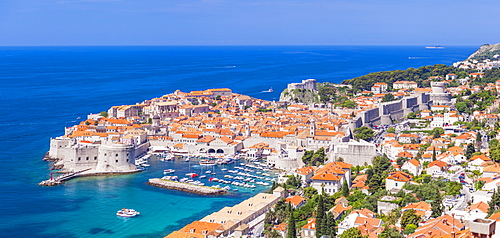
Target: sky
{"x": 248, "y": 22}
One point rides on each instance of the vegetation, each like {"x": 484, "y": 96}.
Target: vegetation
{"x": 467, "y": 103}
{"x": 351, "y": 233}
{"x": 378, "y": 173}
{"x": 348, "y": 104}
{"x": 388, "y": 97}
{"x": 364, "y": 133}
{"x": 291, "y": 231}
{"x": 494, "y": 203}
{"x": 409, "y": 217}
{"x": 419, "y": 75}
{"x": 104, "y": 114}
{"x": 314, "y": 158}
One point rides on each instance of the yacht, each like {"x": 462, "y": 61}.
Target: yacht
{"x": 127, "y": 212}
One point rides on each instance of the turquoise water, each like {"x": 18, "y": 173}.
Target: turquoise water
{"x": 44, "y": 89}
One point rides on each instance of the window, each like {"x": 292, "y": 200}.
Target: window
{"x": 396, "y": 184}
{"x": 79, "y": 158}
{"x": 116, "y": 155}
{"x": 116, "y": 161}
{"x": 95, "y": 158}
{"x": 87, "y": 158}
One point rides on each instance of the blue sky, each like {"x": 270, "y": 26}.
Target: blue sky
{"x": 249, "y": 22}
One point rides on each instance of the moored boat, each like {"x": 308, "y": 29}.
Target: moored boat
{"x": 207, "y": 162}
{"x": 168, "y": 171}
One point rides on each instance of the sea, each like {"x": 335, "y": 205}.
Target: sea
{"x": 45, "y": 89}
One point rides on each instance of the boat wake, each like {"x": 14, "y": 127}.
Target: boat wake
{"x": 226, "y": 67}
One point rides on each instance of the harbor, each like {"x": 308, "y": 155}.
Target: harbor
{"x": 227, "y": 174}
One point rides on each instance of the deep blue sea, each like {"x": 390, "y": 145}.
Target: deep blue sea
{"x": 44, "y": 89}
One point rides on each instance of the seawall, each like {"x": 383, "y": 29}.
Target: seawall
{"x": 186, "y": 187}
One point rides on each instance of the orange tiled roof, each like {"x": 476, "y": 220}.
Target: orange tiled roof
{"x": 400, "y": 176}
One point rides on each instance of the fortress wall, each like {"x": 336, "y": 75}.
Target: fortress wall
{"x": 387, "y": 108}
{"x": 398, "y": 115}
{"x": 371, "y": 114}
{"x": 355, "y": 153}
{"x": 116, "y": 158}
{"x": 410, "y": 102}
{"x": 81, "y": 157}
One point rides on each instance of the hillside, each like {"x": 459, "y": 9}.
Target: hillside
{"x": 419, "y": 75}
{"x": 486, "y": 51}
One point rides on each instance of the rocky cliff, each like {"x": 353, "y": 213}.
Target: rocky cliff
{"x": 486, "y": 51}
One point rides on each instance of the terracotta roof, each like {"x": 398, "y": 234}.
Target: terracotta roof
{"x": 295, "y": 200}
{"x": 399, "y": 176}
{"x": 480, "y": 206}
{"x": 311, "y": 224}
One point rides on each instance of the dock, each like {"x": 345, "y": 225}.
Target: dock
{"x": 60, "y": 179}
{"x": 186, "y": 187}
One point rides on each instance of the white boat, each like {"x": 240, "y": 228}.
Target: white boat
{"x": 127, "y": 212}
{"x": 207, "y": 162}
{"x": 168, "y": 171}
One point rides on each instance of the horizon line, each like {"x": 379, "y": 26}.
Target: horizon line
{"x": 203, "y": 45}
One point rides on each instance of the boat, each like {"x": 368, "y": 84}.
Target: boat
{"x": 192, "y": 175}
{"x": 168, "y": 171}
{"x": 268, "y": 91}
{"x": 125, "y": 212}
{"x": 435, "y": 47}
{"x": 207, "y": 162}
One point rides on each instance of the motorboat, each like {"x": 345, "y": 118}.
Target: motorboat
{"x": 125, "y": 212}
{"x": 168, "y": 171}
{"x": 207, "y": 162}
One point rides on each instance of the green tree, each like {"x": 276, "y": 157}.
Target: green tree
{"x": 470, "y": 150}
{"x": 437, "y": 132}
{"x": 351, "y": 233}
{"x": 391, "y": 130}
{"x": 494, "y": 203}
{"x": 309, "y": 192}
{"x": 410, "y": 228}
{"x": 330, "y": 224}
{"x": 349, "y": 104}
{"x": 434, "y": 155}
{"x": 462, "y": 107}
{"x": 437, "y": 208}
{"x": 345, "y": 189}
{"x": 378, "y": 173}
{"x": 388, "y": 97}
{"x": 495, "y": 152}
{"x": 320, "y": 218}
{"x": 410, "y": 217}
{"x": 291, "y": 231}
{"x": 390, "y": 232}
{"x": 364, "y": 133}
{"x": 104, "y": 114}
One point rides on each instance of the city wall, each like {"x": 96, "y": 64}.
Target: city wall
{"x": 390, "y": 112}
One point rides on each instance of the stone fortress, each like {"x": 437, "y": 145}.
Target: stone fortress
{"x": 308, "y": 84}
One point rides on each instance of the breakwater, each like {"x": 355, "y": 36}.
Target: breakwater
{"x": 186, "y": 187}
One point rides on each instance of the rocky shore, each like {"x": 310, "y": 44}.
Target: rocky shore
{"x": 186, "y": 187}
